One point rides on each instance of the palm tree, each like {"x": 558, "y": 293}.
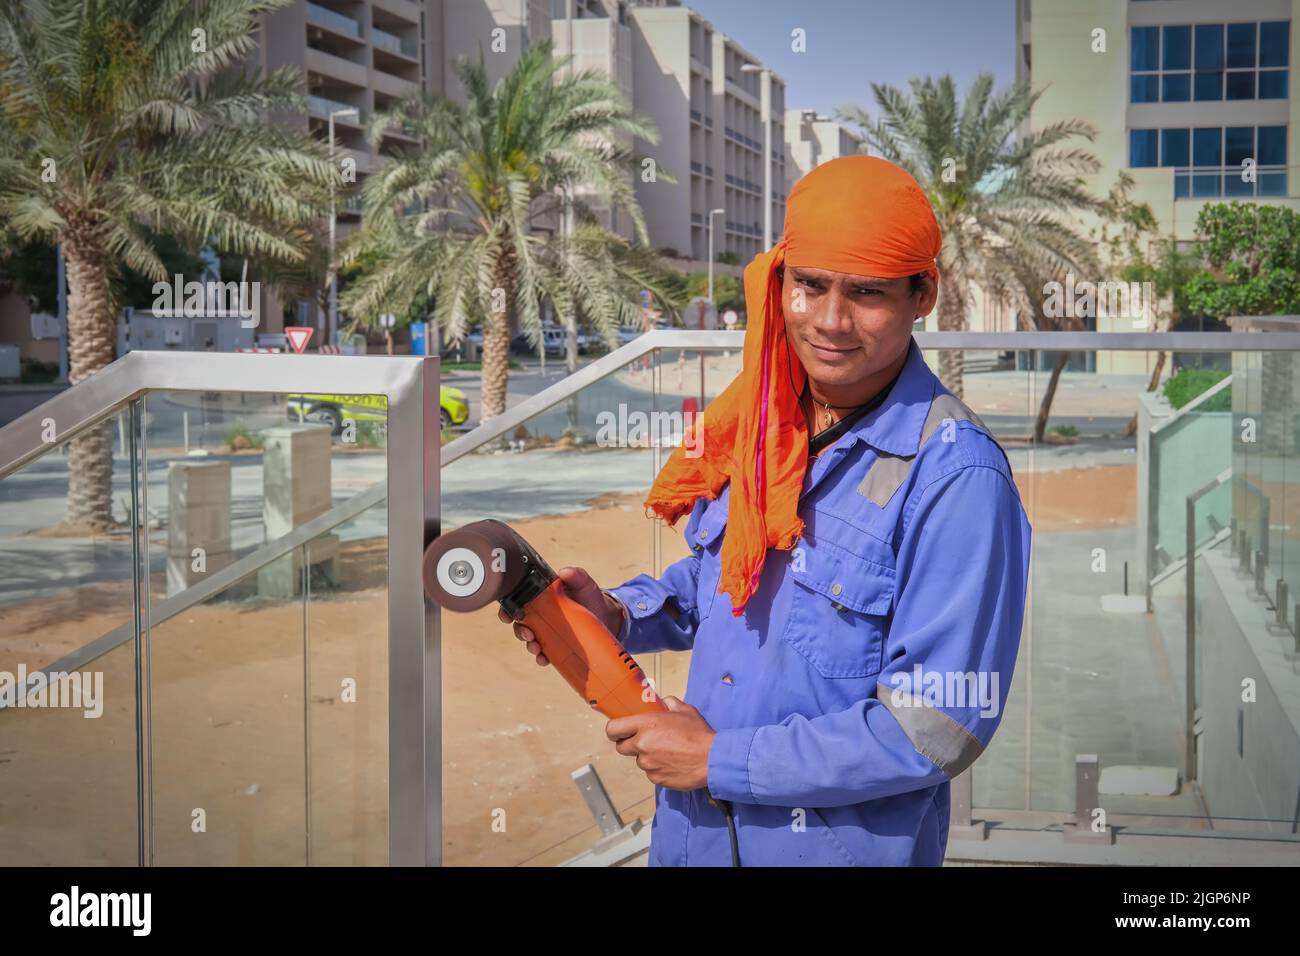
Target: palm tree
{"x": 1007, "y": 199}
{"x": 455, "y": 220}
{"x": 121, "y": 117}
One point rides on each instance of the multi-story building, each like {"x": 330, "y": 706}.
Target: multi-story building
{"x": 357, "y": 57}
{"x": 691, "y": 80}
{"x": 812, "y": 139}
{"x": 361, "y": 55}
{"x": 498, "y": 30}
{"x": 599, "y": 35}
{"x": 1195, "y": 99}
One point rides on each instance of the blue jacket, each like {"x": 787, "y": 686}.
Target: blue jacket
{"x": 873, "y": 663}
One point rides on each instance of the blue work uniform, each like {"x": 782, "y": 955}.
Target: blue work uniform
{"x": 871, "y": 666}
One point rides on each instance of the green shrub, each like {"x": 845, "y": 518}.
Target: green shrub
{"x": 1182, "y": 388}
{"x": 1067, "y": 431}
{"x": 238, "y": 437}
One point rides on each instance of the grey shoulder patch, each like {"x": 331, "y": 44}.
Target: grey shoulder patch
{"x": 886, "y": 476}
{"x": 888, "y": 472}
{"x": 933, "y": 733}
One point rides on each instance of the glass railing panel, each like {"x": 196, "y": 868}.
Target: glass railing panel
{"x": 997, "y": 386}
{"x": 228, "y": 741}
{"x": 571, "y": 481}
{"x": 68, "y": 770}
{"x": 1099, "y": 675}
{"x": 347, "y": 647}
{"x": 232, "y": 671}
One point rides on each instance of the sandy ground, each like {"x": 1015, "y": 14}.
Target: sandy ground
{"x": 229, "y": 746}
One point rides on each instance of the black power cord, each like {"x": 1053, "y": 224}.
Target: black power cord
{"x": 725, "y": 807}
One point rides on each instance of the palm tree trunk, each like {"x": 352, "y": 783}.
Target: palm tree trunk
{"x": 952, "y": 318}
{"x": 1045, "y": 406}
{"x": 92, "y": 332}
{"x": 496, "y": 342}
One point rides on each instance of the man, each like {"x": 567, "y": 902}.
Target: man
{"x": 865, "y": 526}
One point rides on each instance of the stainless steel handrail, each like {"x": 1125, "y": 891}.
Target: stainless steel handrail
{"x": 138, "y": 373}
{"x": 984, "y": 341}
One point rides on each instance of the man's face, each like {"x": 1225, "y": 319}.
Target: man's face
{"x": 845, "y": 328}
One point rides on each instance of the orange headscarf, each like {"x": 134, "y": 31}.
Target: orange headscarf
{"x": 860, "y": 215}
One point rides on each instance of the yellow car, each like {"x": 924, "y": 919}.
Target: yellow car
{"x": 333, "y": 410}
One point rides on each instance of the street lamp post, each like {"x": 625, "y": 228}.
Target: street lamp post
{"x": 765, "y": 102}
{"x": 334, "y": 279}
{"x": 712, "y": 213}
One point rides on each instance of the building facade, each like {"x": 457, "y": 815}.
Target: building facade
{"x": 689, "y": 78}
{"x": 1195, "y": 99}
{"x": 812, "y": 139}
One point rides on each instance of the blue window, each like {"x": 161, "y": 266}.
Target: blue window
{"x": 1177, "y": 88}
{"x": 1272, "y": 84}
{"x": 1275, "y": 44}
{"x": 1238, "y": 144}
{"x": 1144, "y": 88}
{"x": 1146, "y": 47}
{"x": 1207, "y": 62}
{"x": 1174, "y": 147}
{"x": 1206, "y": 184}
{"x": 1272, "y": 146}
{"x": 1209, "y": 86}
{"x": 1142, "y": 146}
{"x": 1209, "y": 46}
{"x": 1241, "y": 84}
{"x": 1241, "y": 45}
{"x": 1177, "y": 49}
{"x": 1207, "y": 146}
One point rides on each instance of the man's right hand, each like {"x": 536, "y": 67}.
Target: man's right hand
{"x": 581, "y": 587}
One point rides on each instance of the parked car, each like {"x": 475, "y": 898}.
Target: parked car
{"x": 333, "y": 410}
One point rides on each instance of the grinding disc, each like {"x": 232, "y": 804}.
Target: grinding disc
{"x": 466, "y": 569}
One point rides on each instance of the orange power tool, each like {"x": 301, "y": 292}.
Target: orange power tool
{"x": 488, "y": 561}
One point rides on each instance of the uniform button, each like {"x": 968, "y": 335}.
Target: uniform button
{"x": 836, "y": 588}
{"x": 640, "y": 605}
{"x": 728, "y": 679}
{"x": 704, "y": 534}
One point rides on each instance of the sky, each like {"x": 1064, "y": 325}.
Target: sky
{"x": 853, "y": 43}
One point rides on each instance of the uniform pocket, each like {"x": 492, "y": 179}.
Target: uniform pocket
{"x": 838, "y": 610}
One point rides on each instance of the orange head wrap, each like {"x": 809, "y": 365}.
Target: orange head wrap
{"x": 860, "y": 215}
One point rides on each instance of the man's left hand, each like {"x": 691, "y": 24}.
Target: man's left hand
{"x": 672, "y": 748}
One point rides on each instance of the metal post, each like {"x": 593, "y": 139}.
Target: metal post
{"x": 712, "y": 213}
{"x": 766, "y": 103}
{"x": 701, "y": 408}
{"x": 1264, "y": 503}
{"x": 1280, "y": 603}
{"x": 1259, "y": 572}
{"x": 1189, "y": 648}
{"x": 1087, "y": 775}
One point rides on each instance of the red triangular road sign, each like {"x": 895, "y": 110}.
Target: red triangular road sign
{"x": 298, "y": 335}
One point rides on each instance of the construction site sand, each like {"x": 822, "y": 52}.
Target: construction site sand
{"x": 228, "y": 744}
